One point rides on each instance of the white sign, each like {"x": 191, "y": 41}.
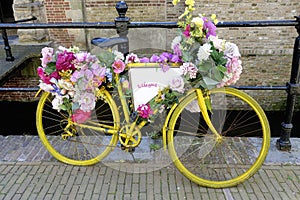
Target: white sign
{"x": 146, "y": 82}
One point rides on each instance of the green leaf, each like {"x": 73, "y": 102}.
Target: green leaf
{"x": 217, "y": 75}
{"x": 106, "y": 57}
{"x": 205, "y": 66}
{"x": 187, "y": 57}
{"x": 210, "y": 82}
{"x": 208, "y": 104}
{"x": 221, "y": 68}
{"x": 51, "y": 67}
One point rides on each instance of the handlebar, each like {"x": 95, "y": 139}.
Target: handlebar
{"x": 109, "y": 42}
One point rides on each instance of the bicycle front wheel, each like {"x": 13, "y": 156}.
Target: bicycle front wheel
{"x": 219, "y": 162}
{"x": 87, "y": 145}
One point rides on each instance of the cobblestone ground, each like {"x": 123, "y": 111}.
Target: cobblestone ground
{"x": 27, "y": 171}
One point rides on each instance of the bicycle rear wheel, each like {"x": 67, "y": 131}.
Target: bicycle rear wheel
{"x": 88, "y": 145}
{"x": 209, "y": 162}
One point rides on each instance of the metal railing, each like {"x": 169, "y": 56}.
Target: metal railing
{"x": 122, "y": 24}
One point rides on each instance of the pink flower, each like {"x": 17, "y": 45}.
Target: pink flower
{"x": 144, "y": 110}
{"x": 190, "y": 69}
{"x": 43, "y": 76}
{"x": 65, "y": 61}
{"x": 132, "y": 58}
{"x": 47, "y": 56}
{"x": 81, "y": 57}
{"x": 79, "y": 116}
{"x": 187, "y": 33}
{"x": 118, "y": 66}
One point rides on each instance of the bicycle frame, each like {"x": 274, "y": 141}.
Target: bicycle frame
{"x": 132, "y": 125}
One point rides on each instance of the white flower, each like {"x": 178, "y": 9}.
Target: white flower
{"x": 119, "y": 55}
{"x": 176, "y": 41}
{"x": 231, "y": 50}
{"x": 46, "y": 87}
{"x": 204, "y": 52}
{"x": 198, "y": 21}
{"x": 57, "y": 102}
{"x": 132, "y": 58}
{"x": 218, "y": 43}
{"x": 177, "y": 84}
{"x": 65, "y": 84}
{"x": 87, "y": 101}
{"x": 61, "y": 48}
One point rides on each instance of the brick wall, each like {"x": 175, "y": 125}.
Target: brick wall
{"x": 56, "y": 12}
{"x": 26, "y": 77}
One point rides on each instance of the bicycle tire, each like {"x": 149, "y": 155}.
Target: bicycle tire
{"x": 197, "y": 154}
{"x": 87, "y": 146}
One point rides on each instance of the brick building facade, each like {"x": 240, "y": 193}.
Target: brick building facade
{"x": 266, "y": 51}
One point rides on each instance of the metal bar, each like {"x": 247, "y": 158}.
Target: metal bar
{"x": 111, "y": 25}
{"x": 284, "y": 143}
{"x": 9, "y": 56}
{"x": 18, "y": 89}
{"x": 237, "y": 87}
{"x": 99, "y": 25}
{"x": 25, "y": 20}
{"x": 260, "y": 87}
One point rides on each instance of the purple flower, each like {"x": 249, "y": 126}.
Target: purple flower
{"x": 177, "y": 50}
{"x": 210, "y": 28}
{"x": 165, "y": 67}
{"x": 144, "y": 60}
{"x": 155, "y": 58}
{"x": 165, "y": 56}
{"x": 175, "y": 59}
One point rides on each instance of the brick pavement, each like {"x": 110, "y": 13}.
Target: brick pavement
{"x": 27, "y": 171}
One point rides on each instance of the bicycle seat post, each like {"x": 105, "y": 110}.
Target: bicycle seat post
{"x": 121, "y": 23}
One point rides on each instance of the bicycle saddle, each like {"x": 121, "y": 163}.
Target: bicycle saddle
{"x": 108, "y": 42}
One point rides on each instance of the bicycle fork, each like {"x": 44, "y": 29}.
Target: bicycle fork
{"x": 203, "y": 109}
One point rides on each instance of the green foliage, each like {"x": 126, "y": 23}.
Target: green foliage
{"x": 51, "y": 67}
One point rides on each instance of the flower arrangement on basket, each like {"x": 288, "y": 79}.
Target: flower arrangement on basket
{"x": 206, "y": 61}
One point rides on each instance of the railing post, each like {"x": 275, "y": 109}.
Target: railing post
{"x": 284, "y": 143}
{"x": 122, "y": 25}
{"x": 7, "y": 48}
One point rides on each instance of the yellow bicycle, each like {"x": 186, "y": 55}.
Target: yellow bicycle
{"x": 218, "y": 147}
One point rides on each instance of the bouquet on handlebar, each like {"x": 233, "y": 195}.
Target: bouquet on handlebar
{"x": 206, "y": 62}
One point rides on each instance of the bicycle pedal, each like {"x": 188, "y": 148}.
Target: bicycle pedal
{"x": 128, "y": 149}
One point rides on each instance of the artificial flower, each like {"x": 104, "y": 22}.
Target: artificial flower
{"x": 144, "y": 110}
{"x": 177, "y": 84}
{"x": 65, "y": 61}
{"x": 118, "y": 66}
{"x": 80, "y": 116}
{"x": 132, "y": 58}
{"x": 204, "y": 52}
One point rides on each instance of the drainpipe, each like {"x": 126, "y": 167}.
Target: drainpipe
{"x": 86, "y": 31}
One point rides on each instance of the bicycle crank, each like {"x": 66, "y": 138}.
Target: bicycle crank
{"x": 130, "y": 136}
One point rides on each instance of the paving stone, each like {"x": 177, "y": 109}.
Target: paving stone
{"x": 44, "y": 179}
